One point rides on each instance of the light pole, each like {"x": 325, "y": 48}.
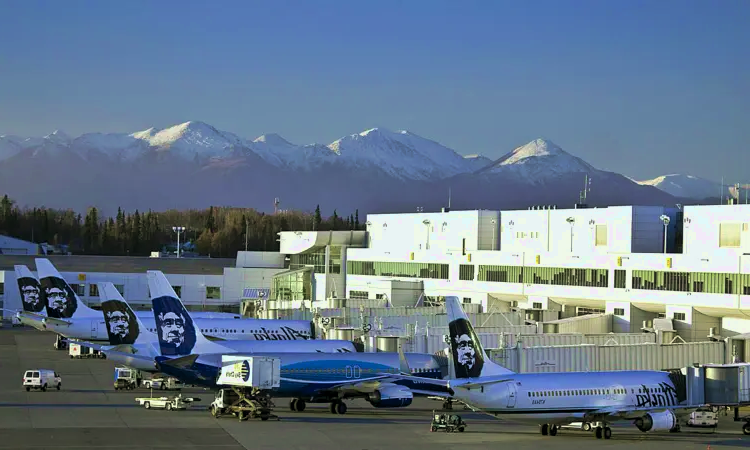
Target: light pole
{"x": 178, "y": 230}
{"x": 665, "y": 220}
{"x": 571, "y": 221}
{"x": 493, "y": 233}
{"x": 427, "y": 224}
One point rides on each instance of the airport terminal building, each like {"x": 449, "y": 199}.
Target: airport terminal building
{"x": 691, "y": 265}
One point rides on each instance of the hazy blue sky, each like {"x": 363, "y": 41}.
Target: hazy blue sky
{"x": 640, "y": 87}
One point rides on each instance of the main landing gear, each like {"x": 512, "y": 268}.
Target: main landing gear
{"x": 603, "y": 431}
{"x": 551, "y": 430}
{"x": 337, "y": 407}
{"x": 297, "y": 404}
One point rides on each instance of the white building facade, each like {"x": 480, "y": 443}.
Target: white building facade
{"x": 596, "y": 260}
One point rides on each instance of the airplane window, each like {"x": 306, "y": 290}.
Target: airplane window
{"x": 529, "y": 394}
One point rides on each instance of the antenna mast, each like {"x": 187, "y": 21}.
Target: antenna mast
{"x": 449, "y": 197}
{"x": 276, "y": 203}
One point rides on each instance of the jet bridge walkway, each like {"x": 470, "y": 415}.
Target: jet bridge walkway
{"x": 719, "y": 385}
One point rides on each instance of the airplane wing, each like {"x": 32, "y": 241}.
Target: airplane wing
{"x": 629, "y": 413}
{"x": 381, "y": 381}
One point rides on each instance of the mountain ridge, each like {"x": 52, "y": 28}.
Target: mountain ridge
{"x": 194, "y": 164}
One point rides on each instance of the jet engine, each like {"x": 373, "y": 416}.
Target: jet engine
{"x": 391, "y": 397}
{"x": 660, "y": 421}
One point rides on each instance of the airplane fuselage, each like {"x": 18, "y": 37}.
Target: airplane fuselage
{"x": 304, "y": 375}
{"x": 94, "y": 329}
{"x": 566, "y": 397}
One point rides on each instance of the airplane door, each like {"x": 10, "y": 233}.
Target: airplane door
{"x": 94, "y": 329}
{"x": 511, "y": 394}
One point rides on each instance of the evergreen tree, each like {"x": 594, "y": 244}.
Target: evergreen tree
{"x": 318, "y": 219}
{"x": 356, "y": 219}
{"x": 210, "y": 220}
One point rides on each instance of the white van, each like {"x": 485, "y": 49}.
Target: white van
{"x": 41, "y": 379}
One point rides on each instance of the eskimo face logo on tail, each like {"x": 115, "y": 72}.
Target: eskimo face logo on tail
{"x": 58, "y": 297}
{"x": 122, "y": 325}
{"x": 175, "y": 329}
{"x": 467, "y": 352}
{"x": 30, "y": 291}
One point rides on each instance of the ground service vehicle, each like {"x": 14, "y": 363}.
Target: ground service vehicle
{"x": 80, "y": 351}
{"x": 177, "y": 402}
{"x": 449, "y": 423}
{"x": 168, "y": 383}
{"x": 126, "y": 378}
{"x": 244, "y": 387}
{"x": 41, "y": 379}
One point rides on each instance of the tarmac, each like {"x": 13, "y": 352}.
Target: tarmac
{"x": 87, "y": 413}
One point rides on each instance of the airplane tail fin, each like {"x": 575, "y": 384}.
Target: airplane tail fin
{"x": 123, "y": 325}
{"x": 30, "y": 291}
{"x": 57, "y": 295}
{"x": 175, "y": 329}
{"x": 468, "y": 356}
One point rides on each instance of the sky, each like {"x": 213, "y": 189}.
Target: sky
{"x": 643, "y": 88}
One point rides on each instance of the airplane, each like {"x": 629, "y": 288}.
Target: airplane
{"x": 653, "y": 400}
{"x": 32, "y": 305}
{"x": 68, "y": 316}
{"x": 131, "y": 343}
{"x": 307, "y": 377}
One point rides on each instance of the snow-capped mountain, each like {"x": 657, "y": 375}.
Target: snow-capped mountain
{"x": 400, "y": 154}
{"x": 536, "y": 161}
{"x": 477, "y": 161}
{"x": 692, "y": 187}
{"x": 193, "y": 164}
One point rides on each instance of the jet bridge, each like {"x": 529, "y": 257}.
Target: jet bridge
{"x": 720, "y": 385}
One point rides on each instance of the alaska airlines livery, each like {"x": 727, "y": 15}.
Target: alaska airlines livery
{"x": 652, "y": 400}
{"x": 51, "y": 304}
{"x": 135, "y": 346}
{"x": 314, "y": 377}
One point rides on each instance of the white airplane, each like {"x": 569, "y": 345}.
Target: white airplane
{"x": 51, "y": 304}
{"x": 132, "y": 344}
{"x": 651, "y": 400}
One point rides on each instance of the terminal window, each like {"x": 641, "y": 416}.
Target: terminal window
{"x": 178, "y": 291}
{"x": 213, "y": 292}
{"x": 619, "y": 311}
{"x": 466, "y": 272}
{"x": 679, "y": 316}
{"x": 398, "y": 269}
{"x": 121, "y": 289}
{"x": 708, "y": 282}
{"x": 363, "y": 295}
{"x": 2, "y": 288}
{"x": 619, "y": 279}
{"x": 79, "y": 289}
{"x": 601, "y": 235}
{"x": 729, "y": 235}
{"x": 93, "y": 290}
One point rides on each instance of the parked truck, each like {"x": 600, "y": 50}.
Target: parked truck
{"x": 126, "y": 378}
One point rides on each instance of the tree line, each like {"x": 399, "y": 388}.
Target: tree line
{"x": 216, "y": 231}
